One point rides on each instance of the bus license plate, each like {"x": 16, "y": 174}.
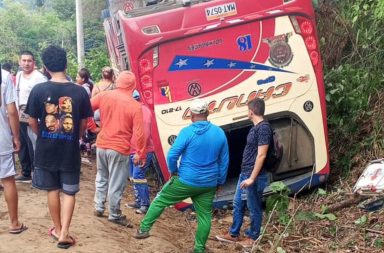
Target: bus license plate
{"x": 220, "y": 11}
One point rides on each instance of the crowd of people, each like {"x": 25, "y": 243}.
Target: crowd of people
{"x": 46, "y": 118}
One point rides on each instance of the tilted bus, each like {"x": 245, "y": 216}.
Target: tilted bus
{"x": 228, "y": 52}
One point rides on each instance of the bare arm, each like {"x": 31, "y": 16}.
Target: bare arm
{"x": 34, "y": 124}
{"x": 13, "y": 118}
{"x": 261, "y": 155}
{"x": 83, "y": 126}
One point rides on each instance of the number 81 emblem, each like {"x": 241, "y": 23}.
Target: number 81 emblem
{"x": 244, "y": 42}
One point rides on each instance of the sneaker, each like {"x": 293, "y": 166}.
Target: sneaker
{"x": 247, "y": 243}
{"x": 23, "y": 179}
{"x": 98, "y": 213}
{"x": 227, "y": 237}
{"x": 86, "y": 161}
{"x": 133, "y": 205}
{"x": 141, "y": 234}
{"x": 142, "y": 210}
{"x": 123, "y": 221}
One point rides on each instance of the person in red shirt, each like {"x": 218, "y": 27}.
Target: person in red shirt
{"x": 121, "y": 119}
{"x": 140, "y": 185}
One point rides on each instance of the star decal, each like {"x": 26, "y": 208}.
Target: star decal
{"x": 189, "y": 62}
{"x": 209, "y": 63}
{"x": 182, "y": 63}
{"x": 232, "y": 64}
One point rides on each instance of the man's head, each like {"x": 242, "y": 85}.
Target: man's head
{"x": 54, "y": 59}
{"x": 256, "y": 107}
{"x": 51, "y": 122}
{"x": 199, "y": 110}
{"x": 7, "y": 66}
{"x": 50, "y": 108}
{"x": 65, "y": 104}
{"x": 126, "y": 80}
{"x": 27, "y": 61}
{"x": 67, "y": 123}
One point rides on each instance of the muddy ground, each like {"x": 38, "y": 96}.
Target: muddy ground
{"x": 172, "y": 233}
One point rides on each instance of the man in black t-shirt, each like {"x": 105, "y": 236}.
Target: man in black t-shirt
{"x": 58, "y": 112}
{"x": 252, "y": 180}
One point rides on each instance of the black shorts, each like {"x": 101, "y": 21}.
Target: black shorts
{"x": 67, "y": 182}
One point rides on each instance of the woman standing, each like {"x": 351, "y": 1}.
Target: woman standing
{"x": 83, "y": 78}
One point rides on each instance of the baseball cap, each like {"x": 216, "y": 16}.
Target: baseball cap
{"x": 198, "y": 106}
{"x": 136, "y": 94}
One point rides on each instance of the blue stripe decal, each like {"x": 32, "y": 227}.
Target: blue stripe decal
{"x": 181, "y": 63}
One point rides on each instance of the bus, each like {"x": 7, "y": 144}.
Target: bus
{"x": 228, "y": 52}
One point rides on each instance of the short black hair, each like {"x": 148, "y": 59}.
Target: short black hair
{"x": 7, "y": 66}
{"x": 257, "y": 106}
{"x": 54, "y": 58}
{"x": 27, "y": 52}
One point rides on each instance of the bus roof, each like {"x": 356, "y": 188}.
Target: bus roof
{"x": 201, "y": 16}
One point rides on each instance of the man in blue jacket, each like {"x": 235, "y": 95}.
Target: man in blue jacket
{"x": 203, "y": 149}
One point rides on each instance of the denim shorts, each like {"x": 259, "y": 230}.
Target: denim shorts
{"x": 67, "y": 182}
{"x": 7, "y": 166}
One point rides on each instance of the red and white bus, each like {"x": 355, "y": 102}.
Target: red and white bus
{"x": 229, "y": 52}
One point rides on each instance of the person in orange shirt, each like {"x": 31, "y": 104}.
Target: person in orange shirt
{"x": 140, "y": 184}
{"x": 121, "y": 118}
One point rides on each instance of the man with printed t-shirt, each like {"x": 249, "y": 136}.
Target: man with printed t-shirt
{"x": 25, "y": 81}
{"x": 58, "y": 112}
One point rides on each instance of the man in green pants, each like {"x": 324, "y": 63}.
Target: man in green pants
{"x": 203, "y": 167}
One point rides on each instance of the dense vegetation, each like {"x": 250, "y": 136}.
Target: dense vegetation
{"x": 32, "y": 25}
{"x": 352, "y": 38}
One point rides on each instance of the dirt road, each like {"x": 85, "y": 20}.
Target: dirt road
{"x": 172, "y": 233}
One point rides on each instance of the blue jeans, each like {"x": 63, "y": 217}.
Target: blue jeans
{"x": 250, "y": 197}
{"x": 140, "y": 185}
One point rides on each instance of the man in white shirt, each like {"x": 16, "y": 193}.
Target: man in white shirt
{"x": 25, "y": 81}
{"x": 10, "y": 143}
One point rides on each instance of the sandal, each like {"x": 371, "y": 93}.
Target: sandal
{"x": 66, "y": 245}
{"x": 15, "y": 231}
{"x": 52, "y": 233}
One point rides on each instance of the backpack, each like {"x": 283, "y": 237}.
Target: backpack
{"x": 274, "y": 154}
